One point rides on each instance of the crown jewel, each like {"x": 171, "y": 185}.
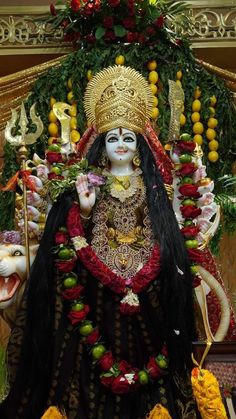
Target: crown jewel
{"x": 118, "y": 97}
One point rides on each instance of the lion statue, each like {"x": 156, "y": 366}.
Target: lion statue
{"x": 13, "y": 278}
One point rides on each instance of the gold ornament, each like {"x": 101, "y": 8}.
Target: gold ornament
{"x": 136, "y": 159}
{"x": 116, "y": 97}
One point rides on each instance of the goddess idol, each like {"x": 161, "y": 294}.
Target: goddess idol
{"x": 107, "y": 320}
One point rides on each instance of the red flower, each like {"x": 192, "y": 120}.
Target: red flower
{"x": 188, "y": 146}
{"x": 129, "y": 23}
{"x": 124, "y": 367}
{"x": 93, "y": 337}
{"x": 141, "y": 38}
{"x": 54, "y": 176}
{"x": 132, "y": 37}
{"x": 150, "y": 31}
{"x": 106, "y": 361}
{"x": 90, "y": 38}
{"x": 195, "y": 255}
{"x": 159, "y": 22}
{"x": 153, "y": 369}
{"x": 108, "y": 22}
{"x": 53, "y": 10}
{"x": 189, "y": 190}
{"x": 61, "y": 237}
{"x": 109, "y": 36}
{"x": 187, "y": 169}
{"x": 129, "y": 309}
{"x": 53, "y": 157}
{"x": 190, "y": 211}
{"x": 120, "y": 385}
{"x": 66, "y": 266}
{"x": 113, "y": 3}
{"x": 107, "y": 381}
{"x": 77, "y": 316}
{"x": 73, "y": 293}
{"x": 75, "y": 5}
{"x": 190, "y": 232}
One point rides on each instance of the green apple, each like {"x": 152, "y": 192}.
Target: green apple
{"x": 194, "y": 269}
{"x": 191, "y": 244}
{"x": 185, "y": 137}
{"x": 70, "y": 282}
{"x": 162, "y": 361}
{"x": 55, "y": 148}
{"x": 187, "y": 180}
{"x": 56, "y": 170}
{"x": 188, "y": 201}
{"x": 185, "y": 158}
{"x": 64, "y": 253}
{"x": 188, "y": 223}
{"x": 98, "y": 351}
{"x": 78, "y": 306}
{"x": 85, "y": 329}
{"x": 143, "y": 377}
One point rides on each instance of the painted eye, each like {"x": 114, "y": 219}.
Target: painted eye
{"x": 17, "y": 253}
{"x": 128, "y": 139}
{"x": 112, "y": 140}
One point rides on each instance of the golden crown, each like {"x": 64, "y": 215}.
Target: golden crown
{"x": 117, "y": 97}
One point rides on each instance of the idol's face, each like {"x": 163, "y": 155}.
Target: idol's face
{"x": 121, "y": 145}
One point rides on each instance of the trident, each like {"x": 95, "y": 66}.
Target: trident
{"x": 21, "y": 142}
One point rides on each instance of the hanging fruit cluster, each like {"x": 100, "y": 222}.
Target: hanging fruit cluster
{"x": 211, "y": 133}
{"x": 153, "y": 78}
{"x": 179, "y": 76}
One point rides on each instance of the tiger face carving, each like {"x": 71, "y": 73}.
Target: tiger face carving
{"x": 13, "y": 271}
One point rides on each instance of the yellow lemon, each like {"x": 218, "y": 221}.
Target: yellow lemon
{"x": 120, "y": 60}
{"x": 212, "y": 122}
{"x": 213, "y": 156}
{"x": 212, "y": 110}
{"x": 195, "y": 117}
{"x": 155, "y": 101}
{"x": 73, "y": 123}
{"x": 53, "y": 129}
{"x": 153, "y": 88}
{"x": 179, "y": 75}
{"x": 70, "y": 97}
{"x": 196, "y": 105}
{"x": 210, "y": 134}
{"x": 197, "y": 93}
{"x": 52, "y": 117}
{"x": 198, "y": 139}
{"x": 198, "y": 128}
{"x": 89, "y": 75}
{"x": 73, "y": 110}
{"x": 178, "y": 82}
{"x": 154, "y": 113}
{"x": 213, "y": 100}
{"x": 153, "y": 77}
{"x": 52, "y": 101}
{"x": 69, "y": 84}
{"x": 167, "y": 147}
{"x": 152, "y": 65}
{"x": 182, "y": 119}
{"x": 213, "y": 145}
{"x": 74, "y": 136}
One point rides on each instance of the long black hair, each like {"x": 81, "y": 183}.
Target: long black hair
{"x": 175, "y": 277}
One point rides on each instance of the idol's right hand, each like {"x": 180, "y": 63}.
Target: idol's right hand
{"x": 86, "y": 194}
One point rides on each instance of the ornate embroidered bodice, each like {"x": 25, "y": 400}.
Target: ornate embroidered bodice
{"x": 121, "y": 235}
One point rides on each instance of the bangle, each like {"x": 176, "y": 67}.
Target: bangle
{"x": 84, "y": 217}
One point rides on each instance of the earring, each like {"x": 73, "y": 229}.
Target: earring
{"x": 136, "y": 159}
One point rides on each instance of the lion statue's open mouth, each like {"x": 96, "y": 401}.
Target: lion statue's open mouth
{"x": 8, "y": 287}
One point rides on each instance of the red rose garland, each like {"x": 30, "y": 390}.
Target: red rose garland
{"x": 120, "y": 377}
